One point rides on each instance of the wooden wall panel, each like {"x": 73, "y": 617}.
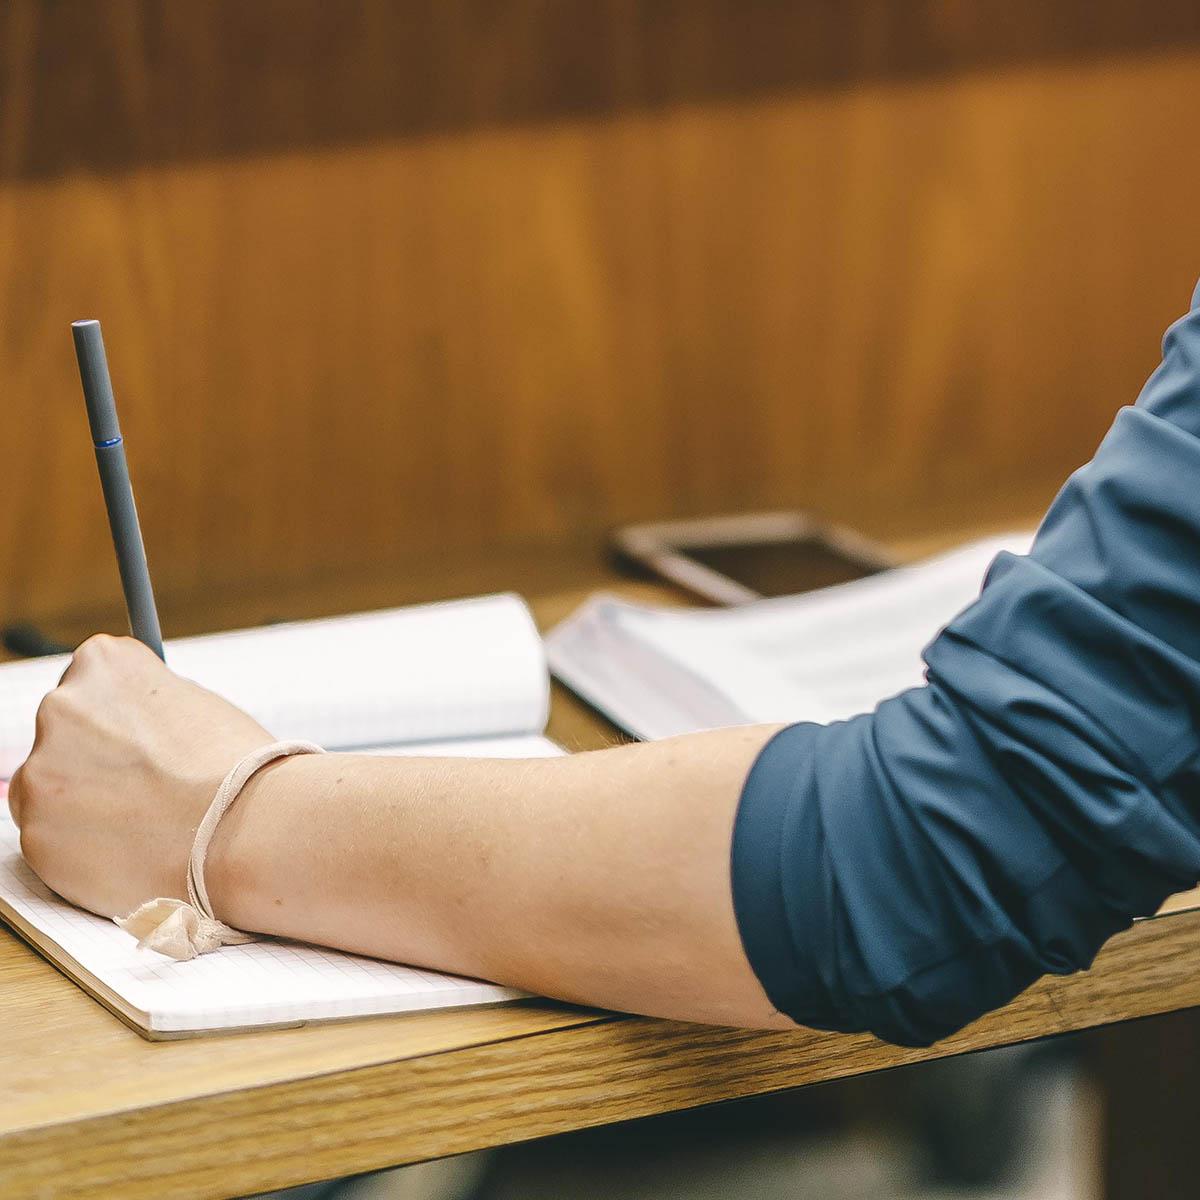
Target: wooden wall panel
{"x": 383, "y": 277}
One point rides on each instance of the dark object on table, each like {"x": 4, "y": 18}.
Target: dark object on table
{"x": 28, "y": 641}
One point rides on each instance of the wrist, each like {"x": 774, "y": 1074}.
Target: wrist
{"x": 249, "y": 869}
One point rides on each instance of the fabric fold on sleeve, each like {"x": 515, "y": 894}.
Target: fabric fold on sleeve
{"x": 908, "y": 870}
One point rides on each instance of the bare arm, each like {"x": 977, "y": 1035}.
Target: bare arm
{"x": 601, "y": 878}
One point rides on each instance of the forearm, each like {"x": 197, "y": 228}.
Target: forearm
{"x": 600, "y": 877}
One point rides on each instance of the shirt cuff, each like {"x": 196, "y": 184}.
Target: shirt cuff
{"x": 778, "y": 814}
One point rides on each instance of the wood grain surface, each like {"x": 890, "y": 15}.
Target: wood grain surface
{"x": 265, "y": 1110}
{"x": 382, "y": 280}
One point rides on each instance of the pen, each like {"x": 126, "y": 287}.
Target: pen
{"x": 114, "y": 479}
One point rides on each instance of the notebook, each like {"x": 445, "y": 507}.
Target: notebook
{"x": 821, "y": 656}
{"x": 459, "y": 678}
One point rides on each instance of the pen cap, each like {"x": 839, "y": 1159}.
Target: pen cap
{"x": 97, "y": 386}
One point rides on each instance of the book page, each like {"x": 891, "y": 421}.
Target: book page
{"x": 821, "y": 656}
{"x": 522, "y": 745}
{"x": 464, "y": 668}
{"x": 260, "y": 984}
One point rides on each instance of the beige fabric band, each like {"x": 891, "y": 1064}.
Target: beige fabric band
{"x": 181, "y": 930}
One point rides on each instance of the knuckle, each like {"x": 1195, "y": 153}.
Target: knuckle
{"x": 47, "y": 710}
{"x": 16, "y": 794}
{"x": 98, "y": 647}
{"x": 24, "y": 787}
{"x": 36, "y": 809}
{"x": 107, "y": 653}
{"x": 55, "y": 706}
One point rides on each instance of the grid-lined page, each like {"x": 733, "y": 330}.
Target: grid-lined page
{"x": 465, "y": 668}
{"x": 822, "y": 656}
{"x": 263, "y": 983}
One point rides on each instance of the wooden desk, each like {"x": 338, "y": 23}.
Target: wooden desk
{"x": 87, "y": 1108}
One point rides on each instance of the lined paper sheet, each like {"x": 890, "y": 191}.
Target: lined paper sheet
{"x": 465, "y": 668}
{"x": 822, "y": 656}
{"x": 263, "y": 983}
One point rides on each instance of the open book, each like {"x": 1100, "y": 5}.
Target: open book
{"x": 464, "y": 677}
{"x": 822, "y": 656}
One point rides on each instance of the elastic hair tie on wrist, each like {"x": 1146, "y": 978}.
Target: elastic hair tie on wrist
{"x": 181, "y": 930}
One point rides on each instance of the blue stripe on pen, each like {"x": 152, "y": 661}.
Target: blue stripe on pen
{"x": 104, "y": 445}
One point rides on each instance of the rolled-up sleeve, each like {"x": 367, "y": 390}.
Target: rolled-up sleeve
{"x": 908, "y": 870}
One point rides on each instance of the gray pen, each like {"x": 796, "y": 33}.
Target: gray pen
{"x": 114, "y": 479}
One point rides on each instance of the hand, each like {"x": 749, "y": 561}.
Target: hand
{"x": 126, "y": 761}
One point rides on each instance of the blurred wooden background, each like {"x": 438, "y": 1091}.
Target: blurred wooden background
{"x": 383, "y": 280}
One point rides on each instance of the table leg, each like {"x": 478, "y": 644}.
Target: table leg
{"x": 1149, "y": 1076}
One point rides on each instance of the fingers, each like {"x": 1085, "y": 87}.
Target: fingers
{"x": 101, "y": 660}
{"x": 49, "y": 713}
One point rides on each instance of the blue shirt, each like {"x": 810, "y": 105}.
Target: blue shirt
{"x": 905, "y": 871}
